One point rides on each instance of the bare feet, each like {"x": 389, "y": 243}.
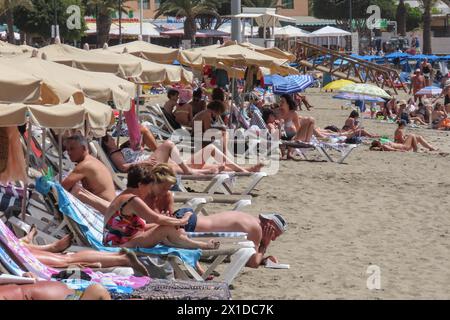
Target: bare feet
{"x": 134, "y": 262}
{"x": 256, "y": 168}
{"x": 61, "y": 245}
{"x": 28, "y": 239}
{"x": 213, "y": 244}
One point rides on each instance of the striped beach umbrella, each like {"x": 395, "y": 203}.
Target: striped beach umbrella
{"x": 292, "y": 84}
{"x": 429, "y": 91}
{"x": 355, "y": 96}
{"x": 365, "y": 89}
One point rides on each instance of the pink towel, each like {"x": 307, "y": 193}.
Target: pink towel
{"x": 134, "y": 131}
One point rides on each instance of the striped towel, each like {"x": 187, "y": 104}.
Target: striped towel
{"x": 217, "y": 235}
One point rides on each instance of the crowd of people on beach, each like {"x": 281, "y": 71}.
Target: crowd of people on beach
{"x": 144, "y": 215}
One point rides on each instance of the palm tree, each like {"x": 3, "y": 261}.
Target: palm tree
{"x": 103, "y": 10}
{"x": 189, "y": 9}
{"x": 427, "y": 6}
{"x": 401, "y": 18}
{"x": 7, "y": 7}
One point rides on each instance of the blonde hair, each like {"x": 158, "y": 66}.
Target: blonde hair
{"x": 163, "y": 173}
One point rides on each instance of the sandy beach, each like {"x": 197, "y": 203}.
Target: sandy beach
{"x": 389, "y": 209}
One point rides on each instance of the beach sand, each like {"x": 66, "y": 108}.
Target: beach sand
{"x": 389, "y": 209}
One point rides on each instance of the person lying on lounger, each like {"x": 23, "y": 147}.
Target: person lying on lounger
{"x": 130, "y": 223}
{"x": 400, "y": 136}
{"x": 52, "y": 255}
{"x": 167, "y": 152}
{"x": 51, "y": 290}
{"x": 89, "y": 171}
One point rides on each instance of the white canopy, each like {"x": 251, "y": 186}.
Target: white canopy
{"x": 330, "y": 32}
{"x": 4, "y": 34}
{"x": 129, "y": 29}
{"x": 290, "y": 32}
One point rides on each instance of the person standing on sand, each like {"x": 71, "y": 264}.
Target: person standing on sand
{"x": 417, "y": 82}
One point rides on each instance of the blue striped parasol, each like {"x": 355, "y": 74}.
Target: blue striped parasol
{"x": 291, "y": 84}
{"x": 355, "y": 96}
{"x": 429, "y": 91}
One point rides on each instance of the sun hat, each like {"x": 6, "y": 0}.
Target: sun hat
{"x": 402, "y": 102}
{"x": 278, "y": 219}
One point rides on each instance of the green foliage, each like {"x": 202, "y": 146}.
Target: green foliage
{"x": 339, "y": 10}
{"x": 413, "y": 18}
{"x": 39, "y": 19}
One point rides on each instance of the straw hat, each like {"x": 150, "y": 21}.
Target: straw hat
{"x": 4, "y": 148}
{"x": 402, "y": 102}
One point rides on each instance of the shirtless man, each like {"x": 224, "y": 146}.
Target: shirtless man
{"x": 92, "y": 173}
{"x": 417, "y": 82}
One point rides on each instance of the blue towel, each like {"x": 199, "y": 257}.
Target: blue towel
{"x": 91, "y": 224}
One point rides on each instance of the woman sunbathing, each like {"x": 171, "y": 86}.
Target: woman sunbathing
{"x": 409, "y": 144}
{"x": 167, "y": 152}
{"x": 129, "y": 222}
{"x": 400, "y": 136}
{"x": 52, "y": 256}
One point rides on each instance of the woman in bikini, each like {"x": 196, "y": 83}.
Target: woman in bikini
{"x": 439, "y": 117}
{"x": 296, "y": 127}
{"x": 409, "y": 144}
{"x": 130, "y": 223}
{"x": 401, "y": 137}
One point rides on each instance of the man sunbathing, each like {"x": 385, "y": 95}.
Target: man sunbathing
{"x": 51, "y": 290}
{"x": 92, "y": 173}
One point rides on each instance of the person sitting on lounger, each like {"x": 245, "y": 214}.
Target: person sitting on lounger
{"x": 130, "y": 223}
{"x": 183, "y": 110}
{"x": 296, "y": 127}
{"x": 400, "y": 136}
{"x": 89, "y": 171}
{"x": 198, "y": 103}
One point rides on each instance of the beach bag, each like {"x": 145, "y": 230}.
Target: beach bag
{"x": 353, "y": 140}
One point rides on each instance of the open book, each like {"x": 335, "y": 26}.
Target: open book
{"x": 272, "y": 265}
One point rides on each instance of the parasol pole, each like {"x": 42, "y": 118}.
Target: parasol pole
{"x": 61, "y": 132}
{"x": 27, "y": 161}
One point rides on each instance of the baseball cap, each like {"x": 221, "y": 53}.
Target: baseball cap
{"x": 277, "y": 219}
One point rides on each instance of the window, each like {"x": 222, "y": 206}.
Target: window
{"x": 146, "y": 4}
{"x": 288, "y": 4}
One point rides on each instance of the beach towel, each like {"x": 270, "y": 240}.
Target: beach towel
{"x": 9, "y": 240}
{"x": 159, "y": 289}
{"x": 134, "y": 131}
{"x": 91, "y": 224}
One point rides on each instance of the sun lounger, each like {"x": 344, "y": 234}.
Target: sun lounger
{"x": 89, "y": 227}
